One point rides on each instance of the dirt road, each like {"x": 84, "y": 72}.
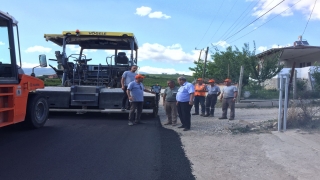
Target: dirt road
{"x": 216, "y": 153}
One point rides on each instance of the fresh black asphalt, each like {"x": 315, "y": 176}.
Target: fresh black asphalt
{"x": 92, "y": 146}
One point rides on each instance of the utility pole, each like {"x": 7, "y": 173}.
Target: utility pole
{"x": 200, "y": 55}
{"x": 205, "y": 64}
{"x": 240, "y": 84}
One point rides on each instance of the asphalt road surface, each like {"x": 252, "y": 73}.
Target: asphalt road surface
{"x": 92, "y": 146}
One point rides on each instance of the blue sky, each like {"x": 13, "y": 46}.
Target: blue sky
{"x": 167, "y": 31}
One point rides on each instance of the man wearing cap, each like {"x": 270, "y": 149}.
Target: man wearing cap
{"x": 127, "y": 77}
{"x": 199, "y": 97}
{"x": 228, "y": 98}
{"x": 211, "y": 99}
{"x": 184, "y": 99}
{"x": 170, "y": 102}
{"x": 135, "y": 94}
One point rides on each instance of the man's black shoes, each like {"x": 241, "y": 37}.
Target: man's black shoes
{"x": 138, "y": 122}
{"x": 223, "y": 118}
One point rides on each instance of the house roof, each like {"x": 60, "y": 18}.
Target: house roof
{"x": 311, "y": 53}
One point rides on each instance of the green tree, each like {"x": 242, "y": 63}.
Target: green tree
{"x": 315, "y": 74}
{"x": 198, "y": 69}
{"x": 262, "y": 69}
{"x": 227, "y": 64}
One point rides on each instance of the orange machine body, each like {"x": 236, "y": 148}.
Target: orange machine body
{"x": 14, "y": 98}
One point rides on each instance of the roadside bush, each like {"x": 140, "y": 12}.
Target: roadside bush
{"x": 301, "y": 84}
{"x": 315, "y": 94}
{"x": 262, "y": 93}
{"x": 258, "y": 91}
{"x": 303, "y": 113}
{"x": 266, "y": 94}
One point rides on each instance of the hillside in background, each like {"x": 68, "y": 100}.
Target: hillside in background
{"x": 39, "y": 71}
{"x": 161, "y": 79}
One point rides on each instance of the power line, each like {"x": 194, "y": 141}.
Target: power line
{"x": 239, "y": 23}
{"x": 267, "y": 21}
{"x": 211, "y": 22}
{"x": 222, "y": 22}
{"x": 237, "y": 19}
{"x": 309, "y": 17}
{"x": 254, "y": 20}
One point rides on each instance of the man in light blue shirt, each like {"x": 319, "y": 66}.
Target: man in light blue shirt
{"x": 184, "y": 99}
{"x": 135, "y": 94}
{"x": 211, "y": 99}
{"x": 228, "y": 99}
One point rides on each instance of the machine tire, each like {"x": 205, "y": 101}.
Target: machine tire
{"x": 37, "y": 111}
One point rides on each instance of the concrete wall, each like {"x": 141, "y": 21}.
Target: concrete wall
{"x": 273, "y": 83}
{"x": 301, "y": 73}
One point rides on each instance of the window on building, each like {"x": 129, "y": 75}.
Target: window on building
{"x": 308, "y": 63}
{"x": 302, "y": 65}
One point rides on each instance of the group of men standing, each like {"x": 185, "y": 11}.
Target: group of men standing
{"x": 178, "y": 101}
{"x": 207, "y": 95}
{"x": 188, "y": 95}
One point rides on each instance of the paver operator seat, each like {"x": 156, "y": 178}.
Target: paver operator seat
{"x": 122, "y": 59}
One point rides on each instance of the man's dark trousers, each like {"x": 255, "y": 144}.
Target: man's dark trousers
{"x": 211, "y": 102}
{"x": 125, "y": 98}
{"x": 201, "y": 100}
{"x": 184, "y": 109}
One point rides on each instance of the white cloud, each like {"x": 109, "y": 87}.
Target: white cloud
{"x": 304, "y": 6}
{"x": 159, "y": 14}
{"x": 223, "y": 44}
{"x": 265, "y": 48}
{"x": 154, "y": 70}
{"x": 39, "y": 49}
{"x": 170, "y": 54}
{"x": 280, "y": 46}
{"x": 29, "y": 65}
{"x": 262, "y": 48}
{"x": 76, "y": 49}
{"x": 143, "y": 11}
{"x": 1, "y": 43}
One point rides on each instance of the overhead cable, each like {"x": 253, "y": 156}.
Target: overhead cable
{"x": 239, "y": 22}
{"x": 267, "y": 21}
{"x": 222, "y": 22}
{"x": 309, "y": 17}
{"x": 254, "y": 20}
{"x": 211, "y": 22}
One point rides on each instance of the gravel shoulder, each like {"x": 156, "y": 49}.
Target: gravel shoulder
{"x": 217, "y": 153}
